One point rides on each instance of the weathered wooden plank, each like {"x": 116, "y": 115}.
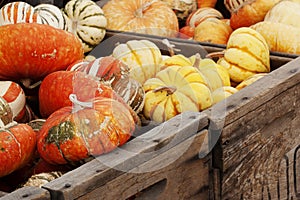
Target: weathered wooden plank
{"x": 163, "y": 177}
{"x": 260, "y": 129}
{"x": 27, "y": 193}
{"x": 104, "y": 168}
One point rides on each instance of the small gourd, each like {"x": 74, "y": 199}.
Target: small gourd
{"x": 143, "y": 58}
{"x": 247, "y": 53}
{"x": 174, "y": 90}
{"x": 87, "y": 22}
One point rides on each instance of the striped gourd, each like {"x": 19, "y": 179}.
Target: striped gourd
{"x": 51, "y": 15}
{"x": 13, "y": 95}
{"x": 87, "y": 21}
{"x": 17, "y": 12}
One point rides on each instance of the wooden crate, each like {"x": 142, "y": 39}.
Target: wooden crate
{"x": 246, "y": 147}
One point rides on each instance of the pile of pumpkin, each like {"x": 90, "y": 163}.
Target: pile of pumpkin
{"x": 87, "y": 107}
{"x": 276, "y": 21}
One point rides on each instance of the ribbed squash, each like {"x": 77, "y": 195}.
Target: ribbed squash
{"x": 175, "y": 90}
{"x": 217, "y": 75}
{"x": 278, "y": 40}
{"x": 245, "y": 13}
{"x": 213, "y": 30}
{"x": 87, "y": 21}
{"x": 51, "y": 15}
{"x": 286, "y": 12}
{"x": 141, "y": 16}
{"x": 143, "y": 58}
{"x": 247, "y": 53}
{"x": 202, "y": 14}
{"x": 18, "y": 12}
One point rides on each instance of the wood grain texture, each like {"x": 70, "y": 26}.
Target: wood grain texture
{"x": 258, "y": 150}
{"x": 187, "y": 178}
{"x": 27, "y": 193}
{"x": 100, "y": 171}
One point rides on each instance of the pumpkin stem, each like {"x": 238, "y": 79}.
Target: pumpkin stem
{"x": 79, "y": 105}
{"x": 27, "y": 83}
{"x": 6, "y": 114}
{"x": 169, "y": 89}
{"x": 197, "y": 60}
{"x": 139, "y": 12}
{"x": 171, "y": 47}
{"x": 215, "y": 54}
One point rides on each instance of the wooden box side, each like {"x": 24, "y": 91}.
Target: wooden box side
{"x": 258, "y": 152}
{"x": 112, "y": 172}
{"x": 27, "y": 193}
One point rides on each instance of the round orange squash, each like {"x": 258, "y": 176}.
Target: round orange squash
{"x": 141, "y": 16}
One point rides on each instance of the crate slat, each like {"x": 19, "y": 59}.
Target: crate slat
{"x": 258, "y": 150}
{"x": 27, "y": 193}
{"x": 105, "y": 168}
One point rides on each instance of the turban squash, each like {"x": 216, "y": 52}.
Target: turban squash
{"x": 55, "y": 89}
{"x": 72, "y": 134}
{"x": 115, "y": 73}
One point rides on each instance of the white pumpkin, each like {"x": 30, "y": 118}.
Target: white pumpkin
{"x": 87, "y": 21}
{"x": 51, "y": 15}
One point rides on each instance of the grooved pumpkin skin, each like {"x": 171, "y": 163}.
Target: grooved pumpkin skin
{"x": 56, "y": 87}
{"x": 31, "y": 50}
{"x": 17, "y": 146}
{"x": 69, "y": 136}
{"x": 157, "y": 19}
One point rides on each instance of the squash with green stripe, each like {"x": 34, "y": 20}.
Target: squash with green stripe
{"x": 87, "y": 21}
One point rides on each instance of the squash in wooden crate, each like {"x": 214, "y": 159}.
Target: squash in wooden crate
{"x": 244, "y": 13}
{"x": 141, "y": 16}
{"x": 286, "y": 12}
{"x": 174, "y": 90}
{"x": 143, "y": 58}
{"x": 89, "y": 128}
{"x": 18, "y": 12}
{"x": 87, "y": 21}
{"x": 278, "y": 40}
{"x": 35, "y": 50}
{"x": 51, "y": 15}
{"x": 246, "y": 53}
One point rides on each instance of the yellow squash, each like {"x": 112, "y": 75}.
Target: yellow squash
{"x": 280, "y": 37}
{"x": 217, "y": 75}
{"x": 222, "y": 93}
{"x": 247, "y": 53}
{"x": 174, "y": 90}
{"x": 143, "y": 58}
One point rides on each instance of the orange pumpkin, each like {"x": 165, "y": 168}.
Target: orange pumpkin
{"x": 213, "y": 30}
{"x": 248, "y": 12}
{"x": 206, "y": 3}
{"x": 141, "y": 16}
{"x": 71, "y": 134}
